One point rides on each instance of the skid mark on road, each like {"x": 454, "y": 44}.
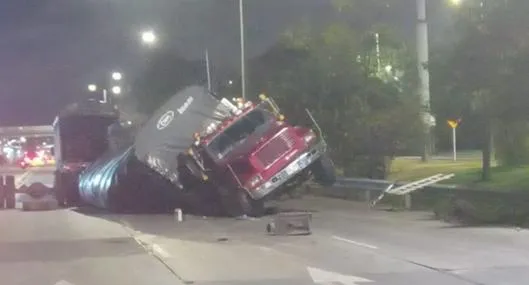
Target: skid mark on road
{"x": 354, "y": 242}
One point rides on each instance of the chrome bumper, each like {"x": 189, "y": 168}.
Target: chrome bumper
{"x": 289, "y": 171}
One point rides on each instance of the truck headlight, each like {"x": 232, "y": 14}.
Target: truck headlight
{"x": 255, "y": 180}
{"x": 309, "y": 136}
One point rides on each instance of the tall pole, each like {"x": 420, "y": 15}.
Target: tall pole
{"x": 454, "y": 144}
{"x": 377, "y": 42}
{"x": 207, "y": 70}
{"x": 424, "y": 76}
{"x": 243, "y": 57}
{"x": 104, "y": 97}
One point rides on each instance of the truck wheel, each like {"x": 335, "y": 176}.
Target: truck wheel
{"x": 238, "y": 203}
{"x": 249, "y": 206}
{"x": 9, "y": 191}
{"x": 190, "y": 173}
{"x": 324, "y": 171}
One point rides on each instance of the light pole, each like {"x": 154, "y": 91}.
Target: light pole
{"x": 116, "y": 89}
{"x": 93, "y": 88}
{"x": 243, "y": 57}
{"x": 424, "y": 75}
{"x": 208, "y": 72}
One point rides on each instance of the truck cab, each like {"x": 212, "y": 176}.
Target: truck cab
{"x": 255, "y": 154}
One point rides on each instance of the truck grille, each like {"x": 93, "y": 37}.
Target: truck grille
{"x": 275, "y": 148}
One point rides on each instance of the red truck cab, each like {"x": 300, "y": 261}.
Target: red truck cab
{"x": 255, "y": 154}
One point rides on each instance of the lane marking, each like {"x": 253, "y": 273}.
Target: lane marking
{"x": 146, "y": 241}
{"x": 157, "y": 249}
{"x": 320, "y": 276}
{"x": 354, "y": 242}
{"x": 63, "y": 282}
{"x": 265, "y": 248}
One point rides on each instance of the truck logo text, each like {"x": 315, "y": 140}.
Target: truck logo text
{"x": 168, "y": 116}
{"x": 165, "y": 120}
{"x": 184, "y": 107}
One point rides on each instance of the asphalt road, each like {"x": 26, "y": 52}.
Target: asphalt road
{"x": 349, "y": 245}
{"x": 63, "y": 247}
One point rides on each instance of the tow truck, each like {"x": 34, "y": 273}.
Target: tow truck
{"x": 255, "y": 155}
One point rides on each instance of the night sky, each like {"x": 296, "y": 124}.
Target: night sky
{"x": 51, "y": 49}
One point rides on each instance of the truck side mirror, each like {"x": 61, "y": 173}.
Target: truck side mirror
{"x": 52, "y": 150}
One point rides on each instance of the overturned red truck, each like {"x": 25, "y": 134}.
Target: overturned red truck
{"x": 202, "y": 152}
{"x": 254, "y": 154}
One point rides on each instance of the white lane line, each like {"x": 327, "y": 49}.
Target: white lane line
{"x": 354, "y": 242}
{"x": 146, "y": 241}
{"x": 63, "y": 282}
{"x": 157, "y": 249}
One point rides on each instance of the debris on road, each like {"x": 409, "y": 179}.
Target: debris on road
{"x": 179, "y": 215}
{"x": 294, "y": 223}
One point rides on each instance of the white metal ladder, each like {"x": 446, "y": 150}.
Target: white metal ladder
{"x": 412, "y": 186}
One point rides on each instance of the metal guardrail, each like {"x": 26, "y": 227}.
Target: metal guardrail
{"x": 480, "y": 206}
{"x": 367, "y": 190}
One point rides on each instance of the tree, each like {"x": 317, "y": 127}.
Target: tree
{"x": 366, "y": 119}
{"x": 482, "y": 76}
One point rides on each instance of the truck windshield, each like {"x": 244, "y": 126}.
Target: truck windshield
{"x": 256, "y": 121}
{"x": 83, "y": 138}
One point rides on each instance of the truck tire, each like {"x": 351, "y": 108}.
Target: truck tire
{"x": 324, "y": 171}
{"x": 9, "y": 191}
{"x": 237, "y": 202}
{"x": 190, "y": 174}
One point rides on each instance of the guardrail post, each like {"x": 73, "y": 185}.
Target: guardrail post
{"x": 368, "y": 195}
{"x": 407, "y": 201}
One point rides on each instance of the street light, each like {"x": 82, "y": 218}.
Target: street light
{"x": 148, "y": 37}
{"x": 243, "y": 57}
{"x": 117, "y": 76}
{"x": 116, "y": 90}
{"x": 92, "y": 88}
{"x": 456, "y": 2}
